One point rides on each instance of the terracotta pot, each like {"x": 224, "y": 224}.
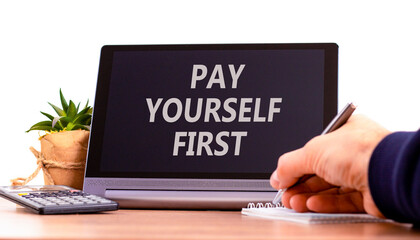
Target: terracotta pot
{"x": 66, "y": 148}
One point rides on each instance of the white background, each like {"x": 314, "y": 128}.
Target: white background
{"x": 47, "y": 45}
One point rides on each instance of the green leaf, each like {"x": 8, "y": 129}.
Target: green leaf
{"x": 82, "y": 127}
{"x": 41, "y": 124}
{"x": 58, "y": 126}
{"x": 58, "y": 110}
{"x": 69, "y": 118}
{"x": 63, "y": 102}
{"x": 82, "y": 119}
{"x": 70, "y": 126}
{"x": 65, "y": 120}
{"x": 48, "y": 116}
{"x": 71, "y": 111}
{"x": 84, "y": 110}
{"x": 44, "y": 128}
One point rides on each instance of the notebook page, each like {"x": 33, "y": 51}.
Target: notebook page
{"x": 285, "y": 214}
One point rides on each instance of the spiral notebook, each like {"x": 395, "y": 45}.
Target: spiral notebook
{"x": 278, "y": 212}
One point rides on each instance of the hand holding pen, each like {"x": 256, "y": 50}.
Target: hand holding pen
{"x": 338, "y": 165}
{"x": 337, "y": 122}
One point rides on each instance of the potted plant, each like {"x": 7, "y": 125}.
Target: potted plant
{"x": 63, "y": 146}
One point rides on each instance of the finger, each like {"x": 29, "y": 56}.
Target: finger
{"x": 291, "y": 166}
{"x": 298, "y": 202}
{"x": 274, "y": 181}
{"x": 314, "y": 184}
{"x": 336, "y": 203}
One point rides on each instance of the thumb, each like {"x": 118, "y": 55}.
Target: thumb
{"x": 292, "y": 166}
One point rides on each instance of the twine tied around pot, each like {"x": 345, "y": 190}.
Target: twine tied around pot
{"x": 45, "y": 164}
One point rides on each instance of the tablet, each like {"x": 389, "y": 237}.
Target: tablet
{"x": 210, "y": 117}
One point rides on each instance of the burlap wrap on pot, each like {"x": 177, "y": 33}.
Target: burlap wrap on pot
{"x": 62, "y": 158}
{"x": 66, "y": 147}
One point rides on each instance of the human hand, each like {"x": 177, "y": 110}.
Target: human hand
{"x": 340, "y": 161}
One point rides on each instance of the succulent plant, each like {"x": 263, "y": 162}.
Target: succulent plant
{"x": 69, "y": 118}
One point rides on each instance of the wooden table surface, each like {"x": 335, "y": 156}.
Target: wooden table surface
{"x": 18, "y": 223}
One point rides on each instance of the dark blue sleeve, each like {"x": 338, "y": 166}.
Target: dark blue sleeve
{"x": 394, "y": 176}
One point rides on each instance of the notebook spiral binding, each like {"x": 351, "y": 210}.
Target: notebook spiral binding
{"x": 264, "y": 205}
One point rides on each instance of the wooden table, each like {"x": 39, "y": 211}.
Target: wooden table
{"x": 18, "y": 223}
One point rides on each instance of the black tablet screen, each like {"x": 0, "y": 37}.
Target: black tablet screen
{"x": 208, "y": 112}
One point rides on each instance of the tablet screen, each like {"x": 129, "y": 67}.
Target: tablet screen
{"x": 207, "y": 111}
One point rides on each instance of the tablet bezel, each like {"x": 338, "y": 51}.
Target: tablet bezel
{"x": 102, "y": 89}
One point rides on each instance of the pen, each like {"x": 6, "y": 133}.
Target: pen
{"x": 337, "y": 122}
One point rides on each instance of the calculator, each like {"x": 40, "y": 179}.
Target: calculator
{"x": 56, "y": 199}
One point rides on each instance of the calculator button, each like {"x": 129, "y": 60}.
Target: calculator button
{"x": 94, "y": 197}
{"x": 64, "y": 204}
{"x": 49, "y": 204}
{"x": 64, "y": 198}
